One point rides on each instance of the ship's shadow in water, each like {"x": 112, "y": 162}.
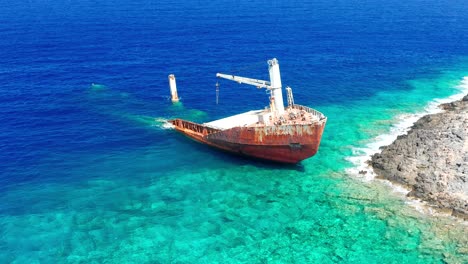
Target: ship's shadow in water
{"x": 236, "y": 159}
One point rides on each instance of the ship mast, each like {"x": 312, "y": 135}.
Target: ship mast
{"x": 274, "y": 85}
{"x": 275, "y": 79}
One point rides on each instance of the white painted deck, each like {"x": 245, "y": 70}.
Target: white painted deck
{"x": 244, "y": 119}
{"x": 296, "y": 115}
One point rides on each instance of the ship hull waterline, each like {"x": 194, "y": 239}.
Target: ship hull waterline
{"x": 278, "y": 143}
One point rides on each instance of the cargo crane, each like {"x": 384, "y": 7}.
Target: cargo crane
{"x": 274, "y": 85}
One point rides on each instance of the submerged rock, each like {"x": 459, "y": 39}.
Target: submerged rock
{"x": 97, "y": 87}
{"x": 432, "y": 159}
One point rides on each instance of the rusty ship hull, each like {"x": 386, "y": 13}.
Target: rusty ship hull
{"x": 288, "y": 141}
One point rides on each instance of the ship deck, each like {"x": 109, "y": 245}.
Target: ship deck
{"x": 296, "y": 115}
{"x": 244, "y": 119}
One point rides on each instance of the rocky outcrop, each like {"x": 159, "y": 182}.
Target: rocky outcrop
{"x": 432, "y": 159}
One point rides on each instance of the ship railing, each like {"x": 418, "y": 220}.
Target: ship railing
{"x": 312, "y": 111}
{"x": 204, "y": 130}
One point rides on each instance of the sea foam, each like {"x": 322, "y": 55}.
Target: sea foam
{"x": 163, "y": 123}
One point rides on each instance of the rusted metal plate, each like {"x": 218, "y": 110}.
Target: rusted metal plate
{"x": 281, "y": 143}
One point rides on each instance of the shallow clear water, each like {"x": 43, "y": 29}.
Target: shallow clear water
{"x": 90, "y": 173}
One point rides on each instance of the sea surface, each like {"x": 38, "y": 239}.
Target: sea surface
{"x": 90, "y": 173}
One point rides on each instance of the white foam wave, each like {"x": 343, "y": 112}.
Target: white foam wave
{"x": 401, "y": 126}
{"x": 163, "y": 123}
{"x": 167, "y": 125}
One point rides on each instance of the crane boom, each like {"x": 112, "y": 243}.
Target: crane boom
{"x": 274, "y": 85}
{"x": 239, "y": 79}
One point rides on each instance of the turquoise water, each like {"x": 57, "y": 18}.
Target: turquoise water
{"x": 90, "y": 173}
{"x": 222, "y": 209}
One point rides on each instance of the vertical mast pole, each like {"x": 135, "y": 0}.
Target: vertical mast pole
{"x": 275, "y": 80}
{"x": 217, "y": 92}
{"x": 173, "y": 87}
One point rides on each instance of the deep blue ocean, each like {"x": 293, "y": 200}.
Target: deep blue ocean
{"x": 89, "y": 173}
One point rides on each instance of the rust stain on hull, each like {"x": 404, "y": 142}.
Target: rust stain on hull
{"x": 287, "y": 143}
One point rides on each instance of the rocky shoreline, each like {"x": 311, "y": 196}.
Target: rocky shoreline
{"x": 432, "y": 159}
